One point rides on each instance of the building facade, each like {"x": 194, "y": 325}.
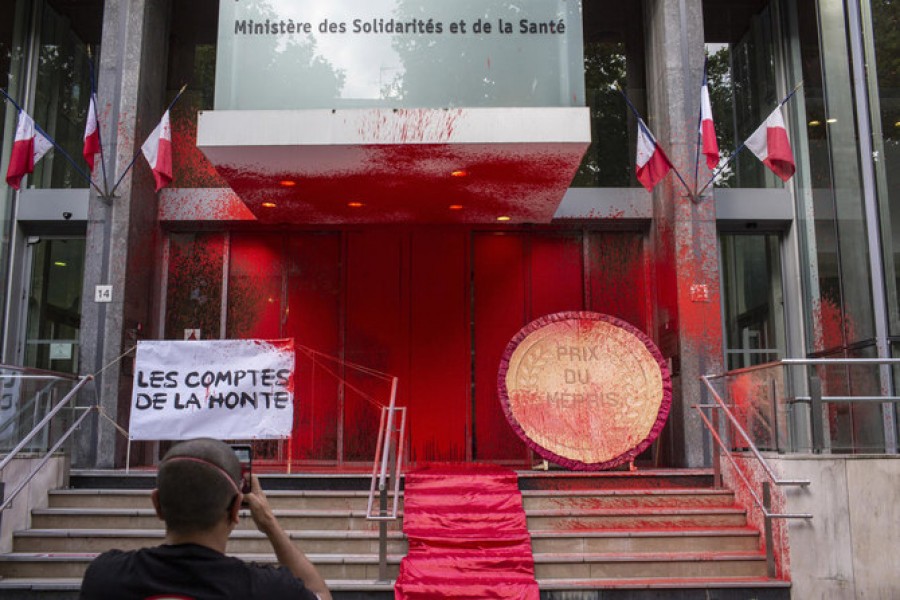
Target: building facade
{"x": 486, "y": 200}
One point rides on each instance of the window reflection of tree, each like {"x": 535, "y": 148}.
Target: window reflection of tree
{"x": 607, "y": 161}
{"x": 318, "y": 82}
{"x": 473, "y": 76}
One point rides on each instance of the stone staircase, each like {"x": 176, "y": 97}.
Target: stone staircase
{"x": 659, "y": 534}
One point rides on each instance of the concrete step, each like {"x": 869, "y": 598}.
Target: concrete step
{"x": 730, "y": 588}
{"x": 145, "y": 518}
{"x": 600, "y": 499}
{"x": 643, "y": 479}
{"x": 649, "y": 565}
{"x": 635, "y": 518}
{"x": 365, "y": 566}
{"x": 725, "y": 539}
{"x": 359, "y": 542}
{"x": 278, "y": 499}
{"x": 145, "y": 479}
{"x": 29, "y": 565}
{"x": 243, "y": 541}
{"x": 662, "y": 588}
{"x": 645, "y": 534}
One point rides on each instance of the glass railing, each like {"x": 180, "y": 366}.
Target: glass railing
{"x": 38, "y": 414}
{"x": 822, "y": 405}
{"x": 27, "y": 396}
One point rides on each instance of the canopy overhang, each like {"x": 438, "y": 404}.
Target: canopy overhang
{"x": 464, "y": 165}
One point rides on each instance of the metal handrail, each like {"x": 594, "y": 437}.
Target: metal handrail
{"x": 875, "y": 399}
{"x": 32, "y": 373}
{"x": 765, "y": 503}
{"x": 386, "y": 467}
{"x": 759, "y": 502}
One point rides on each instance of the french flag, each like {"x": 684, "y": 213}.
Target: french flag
{"x": 91, "y": 136}
{"x": 770, "y": 144}
{"x": 29, "y": 147}
{"x": 710, "y": 146}
{"x": 158, "y": 152}
{"x": 652, "y": 162}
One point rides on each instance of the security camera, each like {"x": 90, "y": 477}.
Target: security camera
{"x": 67, "y": 215}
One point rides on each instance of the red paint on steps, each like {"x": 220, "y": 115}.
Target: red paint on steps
{"x": 470, "y": 547}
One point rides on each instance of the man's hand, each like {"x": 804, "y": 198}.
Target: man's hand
{"x": 260, "y": 510}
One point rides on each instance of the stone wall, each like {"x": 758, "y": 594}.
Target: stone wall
{"x": 18, "y": 516}
{"x": 849, "y": 548}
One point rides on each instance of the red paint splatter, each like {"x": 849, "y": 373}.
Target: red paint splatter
{"x": 191, "y": 167}
{"x": 412, "y": 183}
{"x": 832, "y": 327}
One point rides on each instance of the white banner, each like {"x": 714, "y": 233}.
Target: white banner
{"x": 224, "y": 389}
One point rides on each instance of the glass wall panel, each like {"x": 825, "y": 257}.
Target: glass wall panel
{"x": 837, "y": 247}
{"x": 752, "y": 298}
{"x": 740, "y": 41}
{"x": 881, "y": 30}
{"x": 852, "y": 427}
{"x": 399, "y": 54}
{"x": 613, "y": 55}
{"x": 13, "y": 28}
{"x": 63, "y": 88}
{"x": 881, "y": 22}
{"x": 54, "y": 304}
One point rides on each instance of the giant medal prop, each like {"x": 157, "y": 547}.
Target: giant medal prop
{"x": 585, "y": 390}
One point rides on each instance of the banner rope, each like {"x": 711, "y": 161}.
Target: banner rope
{"x": 314, "y": 355}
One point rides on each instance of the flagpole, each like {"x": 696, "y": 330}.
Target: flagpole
{"x": 55, "y": 145}
{"x": 138, "y": 153}
{"x": 641, "y": 124}
{"x": 97, "y": 119}
{"x": 699, "y": 134}
{"x": 744, "y": 143}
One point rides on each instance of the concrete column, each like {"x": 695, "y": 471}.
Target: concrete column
{"x": 122, "y": 234}
{"x": 683, "y": 235}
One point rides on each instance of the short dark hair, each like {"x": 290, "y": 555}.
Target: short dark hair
{"x": 198, "y": 481}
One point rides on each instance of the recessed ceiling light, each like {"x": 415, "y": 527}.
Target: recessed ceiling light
{"x": 897, "y": 124}
{"x": 459, "y": 173}
{"x": 355, "y": 204}
{"x": 287, "y": 183}
{"x": 269, "y": 205}
{"x": 503, "y": 218}
{"x": 815, "y": 123}
{"x": 60, "y": 263}
{"x": 455, "y": 207}
{"x": 831, "y": 120}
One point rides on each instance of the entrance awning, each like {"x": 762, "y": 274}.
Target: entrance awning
{"x": 465, "y": 165}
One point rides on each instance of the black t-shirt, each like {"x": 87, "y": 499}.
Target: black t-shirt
{"x": 186, "y": 572}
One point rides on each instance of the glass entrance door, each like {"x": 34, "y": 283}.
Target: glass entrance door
{"x": 53, "y": 311}
{"x": 752, "y": 298}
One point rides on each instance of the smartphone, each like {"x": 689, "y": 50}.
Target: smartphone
{"x": 245, "y": 457}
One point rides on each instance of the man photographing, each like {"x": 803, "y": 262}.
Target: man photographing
{"x": 198, "y": 496}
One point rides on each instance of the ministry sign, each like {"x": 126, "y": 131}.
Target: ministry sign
{"x": 305, "y": 54}
{"x": 224, "y": 389}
